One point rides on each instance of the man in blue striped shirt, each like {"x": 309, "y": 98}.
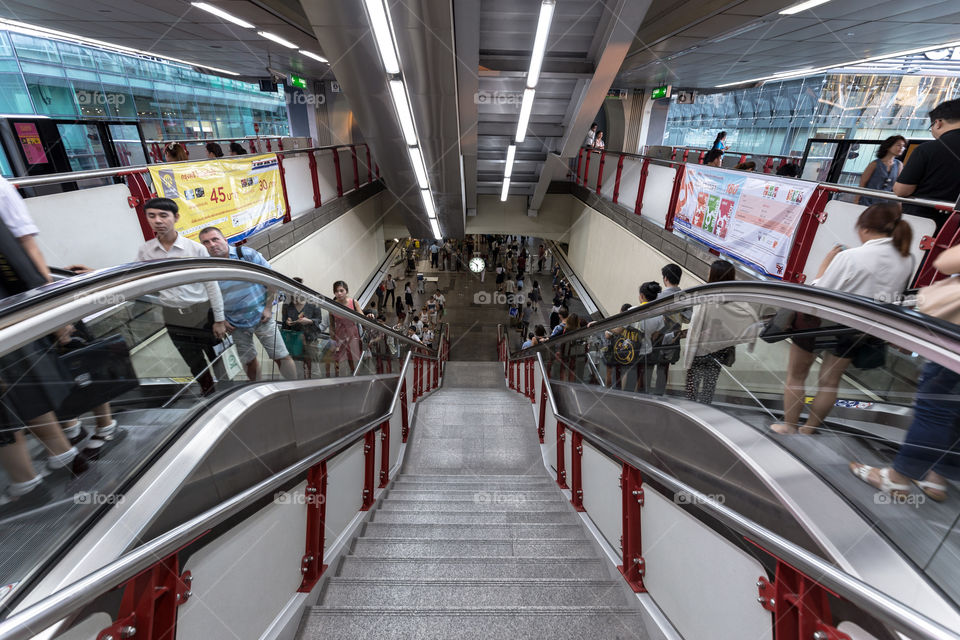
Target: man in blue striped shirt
{"x": 248, "y": 308}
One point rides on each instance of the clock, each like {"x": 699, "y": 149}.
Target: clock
{"x": 477, "y": 265}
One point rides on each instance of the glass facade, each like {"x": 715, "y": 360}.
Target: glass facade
{"x": 777, "y": 118}
{"x": 65, "y": 80}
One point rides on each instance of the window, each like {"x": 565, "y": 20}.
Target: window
{"x": 13, "y": 94}
{"x": 29, "y": 48}
{"x": 51, "y": 96}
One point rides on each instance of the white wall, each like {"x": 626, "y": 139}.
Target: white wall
{"x": 603, "y": 254}
{"x": 511, "y": 216}
{"x": 349, "y": 249}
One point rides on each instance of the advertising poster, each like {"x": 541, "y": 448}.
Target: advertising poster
{"x": 750, "y": 217}
{"x": 240, "y": 195}
{"x": 30, "y": 142}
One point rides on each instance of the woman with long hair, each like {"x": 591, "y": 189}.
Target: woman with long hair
{"x": 719, "y": 142}
{"x": 884, "y": 171}
{"x": 345, "y": 332}
{"x": 175, "y": 152}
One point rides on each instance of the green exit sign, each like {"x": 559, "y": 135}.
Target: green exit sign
{"x": 660, "y": 92}
{"x": 298, "y": 82}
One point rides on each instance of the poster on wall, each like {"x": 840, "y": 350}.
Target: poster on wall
{"x": 746, "y": 216}
{"x": 240, "y": 195}
{"x": 30, "y": 142}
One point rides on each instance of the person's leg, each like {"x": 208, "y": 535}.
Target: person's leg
{"x": 15, "y": 460}
{"x": 186, "y": 334}
{"x": 287, "y": 369}
{"x": 46, "y": 428}
{"x": 693, "y": 380}
{"x": 268, "y": 333}
{"x": 831, "y": 371}
{"x": 711, "y": 374}
{"x": 932, "y": 443}
{"x": 663, "y": 370}
{"x": 243, "y": 339}
{"x": 798, "y": 366}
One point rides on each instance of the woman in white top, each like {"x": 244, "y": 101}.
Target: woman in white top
{"x": 879, "y": 269}
{"x": 598, "y": 142}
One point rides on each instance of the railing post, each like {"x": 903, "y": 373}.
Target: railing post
{"x": 420, "y": 385}
{"x": 369, "y": 453}
{"x": 404, "y": 418}
{"x": 542, "y": 424}
{"x": 674, "y": 197}
{"x": 315, "y": 178}
{"x": 356, "y": 172}
{"x": 311, "y": 566}
{"x": 369, "y": 165}
{"x": 336, "y": 165}
{"x": 586, "y": 170}
{"x": 800, "y": 606}
{"x": 616, "y": 182}
{"x": 416, "y": 376}
{"x": 633, "y": 567}
{"x": 644, "y": 170}
{"x": 579, "y": 163}
{"x": 283, "y": 187}
{"x": 603, "y": 161}
{"x": 686, "y": 152}
{"x": 561, "y": 469}
{"x": 436, "y": 372}
{"x": 253, "y": 146}
{"x": 576, "y": 479}
{"x": 811, "y": 219}
{"x": 148, "y": 606}
{"x": 139, "y": 194}
{"x": 509, "y": 375}
{"x": 384, "y": 454}
{"x": 949, "y": 236}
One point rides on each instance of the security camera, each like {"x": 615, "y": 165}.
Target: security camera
{"x": 278, "y": 76}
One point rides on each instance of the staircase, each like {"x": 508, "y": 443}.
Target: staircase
{"x": 473, "y": 539}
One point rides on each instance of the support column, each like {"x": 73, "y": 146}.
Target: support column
{"x": 311, "y": 566}
{"x": 384, "y": 454}
{"x": 561, "y": 468}
{"x": 633, "y": 567}
{"x": 369, "y": 453}
{"x": 576, "y": 478}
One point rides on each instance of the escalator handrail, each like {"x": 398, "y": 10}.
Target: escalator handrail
{"x": 27, "y": 307}
{"x": 59, "y": 605}
{"x": 935, "y": 339}
{"x": 899, "y": 615}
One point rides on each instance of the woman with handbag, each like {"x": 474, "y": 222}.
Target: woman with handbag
{"x": 345, "y": 333}
{"x": 879, "y": 269}
{"x": 303, "y": 322}
{"x": 930, "y": 453}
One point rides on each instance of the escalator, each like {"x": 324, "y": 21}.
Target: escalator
{"x": 408, "y": 496}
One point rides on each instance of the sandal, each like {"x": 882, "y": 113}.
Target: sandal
{"x": 933, "y": 490}
{"x": 783, "y": 428}
{"x": 862, "y": 471}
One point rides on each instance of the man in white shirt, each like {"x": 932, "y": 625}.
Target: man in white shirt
{"x": 193, "y": 313}
{"x": 591, "y": 135}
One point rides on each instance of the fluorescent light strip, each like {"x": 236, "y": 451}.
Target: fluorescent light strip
{"x": 277, "y": 39}
{"x": 436, "y": 229}
{"x": 525, "y": 108}
{"x": 416, "y": 159}
{"x": 399, "y": 94}
{"x": 220, "y": 13}
{"x": 310, "y": 54}
{"x": 803, "y": 6}
{"x": 839, "y": 65}
{"x": 511, "y": 152}
{"x": 506, "y": 190}
{"x": 380, "y": 24}
{"x": 42, "y": 32}
{"x": 540, "y": 41}
{"x": 427, "y": 198}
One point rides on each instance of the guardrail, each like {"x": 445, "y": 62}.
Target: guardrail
{"x": 255, "y": 144}
{"x": 651, "y": 187}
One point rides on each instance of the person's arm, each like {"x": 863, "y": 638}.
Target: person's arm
{"x": 903, "y": 190}
{"x": 865, "y": 178}
{"x": 831, "y": 255}
{"x": 32, "y": 249}
{"x": 220, "y": 324}
{"x": 912, "y": 173}
{"x": 949, "y": 261}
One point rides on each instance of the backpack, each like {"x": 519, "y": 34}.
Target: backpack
{"x": 622, "y": 348}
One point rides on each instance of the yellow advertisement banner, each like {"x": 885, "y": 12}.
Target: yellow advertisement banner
{"x": 240, "y": 195}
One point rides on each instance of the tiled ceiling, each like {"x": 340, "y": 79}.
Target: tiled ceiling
{"x": 178, "y": 29}
{"x": 688, "y": 43}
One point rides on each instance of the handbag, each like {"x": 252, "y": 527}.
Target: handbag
{"x": 99, "y": 371}
{"x": 777, "y": 327}
{"x": 293, "y": 341}
{"x": 941, "y": 300}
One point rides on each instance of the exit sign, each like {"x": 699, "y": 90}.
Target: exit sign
{"x": 297, "y": 81}
{"x": 660, "y": 92}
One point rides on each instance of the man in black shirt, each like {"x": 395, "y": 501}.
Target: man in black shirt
{"x": 933, "y": 168}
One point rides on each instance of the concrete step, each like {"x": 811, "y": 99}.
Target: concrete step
{"x": 439, "y": 594}
{"x": 479, "y": 548}
{"x": 477, "y": 494}
{"x": 473, "y": 517}
{"x": 458, "y": 568}
{"x": 474, "y": 531}
{"x": 556, "y": 623}
{"x": 480, "y": 485}
{"x": 433, "y": 506}
{"x": 471, "y": 478}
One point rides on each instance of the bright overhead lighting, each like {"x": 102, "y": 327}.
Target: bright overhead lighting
{"x": 511, "y": 152}
{"x": 506, "y": 190}
{"x": 42, "y": 32}
{"x": 277, "y": 39}
{"x": 416, "y": 159}
{"x": 427, "y": 198}
{"x": 399, "y": 94}
{"x": 525, "y": 108}
{"x": 436, "y": 229}
{"x": 220, "y": 13}
{"x": 380, "y": 24}
{"x": 793, "y": 71}
{"x": 540, "y": 42}
{"x": 803, "y": 6}
{"x": 310, "y": 54}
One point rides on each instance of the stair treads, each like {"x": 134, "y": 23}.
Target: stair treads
{"x": 473, "y": 517}
{"x": 459, "y": 568}
{"x": 474, "y": 531}
{"x": 532, "y": 547}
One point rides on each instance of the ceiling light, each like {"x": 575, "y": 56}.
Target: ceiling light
{"x": 525, "y": 108}
{"x": 416, "y": 159}
{"x": 277, "y": 39}
{"x": 399, "y": 94}
{"x": 506, "y": 190}
{"x": 310, "y": 54}
{"x": 380, "y": 24}
{"x": 427, "y": 198}
{"x": 42, "y": 32}
{"x": 511, "y": 152}
{"x": 540, "y": 41}
{"x": 803, "y": 6}
{"x": 793, "y": 71}
{"x": 436, "y": 229}
{"x": 220, "y": 13}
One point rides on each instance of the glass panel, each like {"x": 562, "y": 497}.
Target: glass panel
{"x": 6, "y": 51}
{"x": 52, "y": 96}
{"x": 83, "y": 146}
{"x": 5, "y": 167}
{"x": 126, "y": 140}
{"x": 75, "y": 56}
{"x": 819, "y": 161}
{"x": 29, "y": 48}
{"x": 109, "y": 62}
{"x": 120, "y": 102}
{"x": 146, "y": 103}
{"x": 13, "y": 95}
{"x": 90, "y": 99}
